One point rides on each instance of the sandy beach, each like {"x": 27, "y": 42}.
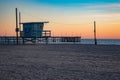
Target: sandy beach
{"x": 59, "y": 62}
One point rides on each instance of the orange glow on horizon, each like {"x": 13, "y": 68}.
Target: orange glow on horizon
{"x": 84, "y": 30}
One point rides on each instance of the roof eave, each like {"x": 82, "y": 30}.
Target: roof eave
{"x": 34, "y": 22}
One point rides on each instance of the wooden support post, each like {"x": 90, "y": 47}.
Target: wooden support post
{"x": 17, "y": 29}
{"x": 19, "y": 21}
{"x": 46, "y": 40}
{"x": 23, "y": 41}
{"x": 95, "y": 40}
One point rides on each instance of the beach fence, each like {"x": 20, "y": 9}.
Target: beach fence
{"x": 65, "y": 40}
{"x": 11, "y": 40}
{"x": 8, "y": 40}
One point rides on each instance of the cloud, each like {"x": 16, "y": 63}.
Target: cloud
{"x": 101, "y": 8}
{"x": 108, "y": 15}
{"x": 110, "y": 5}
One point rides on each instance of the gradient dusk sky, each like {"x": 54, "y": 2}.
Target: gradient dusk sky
{"x": 66, "y": 17}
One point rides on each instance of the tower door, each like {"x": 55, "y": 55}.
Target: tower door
{"x": 27, "y": 32}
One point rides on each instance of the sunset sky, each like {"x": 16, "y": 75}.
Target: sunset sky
{"x": 66, "y": 17}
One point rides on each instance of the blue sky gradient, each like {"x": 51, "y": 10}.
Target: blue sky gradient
{"x": 64, "y": 2}
{"x": 73, "y": 2}
{"x": 76, "y": 1}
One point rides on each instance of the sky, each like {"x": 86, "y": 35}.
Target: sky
{"x": 66, "y": 17}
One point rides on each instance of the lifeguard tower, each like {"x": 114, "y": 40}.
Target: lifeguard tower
{"x": 32, "y": 31}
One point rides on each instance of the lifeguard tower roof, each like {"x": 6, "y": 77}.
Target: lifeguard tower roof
{"x": 34, "y": 22}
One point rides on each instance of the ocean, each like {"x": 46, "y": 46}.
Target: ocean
{"x": 101, "y": 41}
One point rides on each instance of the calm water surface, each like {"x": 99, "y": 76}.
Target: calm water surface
{"x": 101, "y": 41}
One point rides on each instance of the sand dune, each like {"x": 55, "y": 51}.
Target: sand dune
{"x": 59, "y": 62}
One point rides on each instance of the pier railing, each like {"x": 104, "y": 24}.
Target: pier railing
{"x": 8, "y": 40}
{"x": 36, "y": 34}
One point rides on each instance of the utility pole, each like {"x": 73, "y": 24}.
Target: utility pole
{"x": 17, "y": 29}
{"x": 95, "y": 40}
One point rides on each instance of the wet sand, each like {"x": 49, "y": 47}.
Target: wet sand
{"x": 59, "y": 62}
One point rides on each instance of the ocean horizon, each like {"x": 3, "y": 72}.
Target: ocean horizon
{"x": 101, "y": 41}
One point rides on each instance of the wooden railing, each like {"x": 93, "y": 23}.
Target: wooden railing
{"x": 45, "y": 33}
